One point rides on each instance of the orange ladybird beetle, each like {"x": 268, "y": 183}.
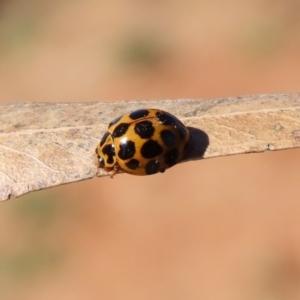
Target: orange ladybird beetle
{"x": 142, "y": 142}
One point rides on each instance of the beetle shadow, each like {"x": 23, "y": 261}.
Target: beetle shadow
{"x": 199, "y": 144}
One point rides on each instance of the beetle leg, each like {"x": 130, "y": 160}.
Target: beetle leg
{"x": 114, "y": 171}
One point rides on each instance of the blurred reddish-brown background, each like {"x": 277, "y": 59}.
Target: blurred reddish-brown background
{"x": 226, "y": 228}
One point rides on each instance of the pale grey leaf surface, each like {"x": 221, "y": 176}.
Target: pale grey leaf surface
{"x": 47, "y": 144}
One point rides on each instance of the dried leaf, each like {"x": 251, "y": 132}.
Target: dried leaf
{"x": 47, "y": 144}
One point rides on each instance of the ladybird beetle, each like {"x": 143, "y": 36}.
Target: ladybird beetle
{"x": 143, "y": 142}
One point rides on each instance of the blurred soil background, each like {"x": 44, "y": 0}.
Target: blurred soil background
{"x": 225, "y": 228}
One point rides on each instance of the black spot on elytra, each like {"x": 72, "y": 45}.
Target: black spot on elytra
{"x": 151, "y": 149}
{"x": 120, "y": 130}
{"x": 109, "y": 150}
{"x": 165, "y": 118}
{"x": 127, "y": 150}
{"x": 110, "y": 160}
{"x": 104, "y": 138}
{"x": 168, "y": 137}
{"x": 152, "y": 167}
{"x": 113, "y": 122}
{"x": 171, "y": 157}
{"x": 133, "y": 164}
{"x": 144, "y": 129}
{"x": 137, "y": 114}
